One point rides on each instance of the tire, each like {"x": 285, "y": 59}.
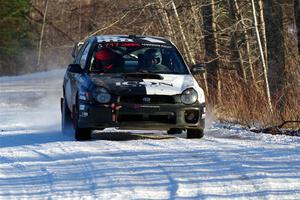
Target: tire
{"x": 81, "y": 134}
{"x": 173, "y": 131}
{"x": 66, "y": 121}
{"x": 194, "y": 133}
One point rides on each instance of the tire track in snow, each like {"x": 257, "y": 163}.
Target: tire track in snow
{"x": 235, "y": 168}
{"x": 130, "y": 172}
{"x": 81, "y": 160}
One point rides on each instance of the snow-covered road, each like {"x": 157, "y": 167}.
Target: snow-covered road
{"x": 38, "y": 162}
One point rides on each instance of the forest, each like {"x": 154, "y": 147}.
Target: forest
{"x": 250, "y": 47}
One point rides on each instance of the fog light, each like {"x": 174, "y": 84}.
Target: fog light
{"x": 191, "y": 116}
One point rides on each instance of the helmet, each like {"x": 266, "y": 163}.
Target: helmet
{"x": 152, "y": 57}
{"x": 105, "y": 57}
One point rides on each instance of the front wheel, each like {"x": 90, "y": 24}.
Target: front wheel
{"x": 194, "y": 133}
{"x": 81, "y": 134}
{"x": 173, "y": 131}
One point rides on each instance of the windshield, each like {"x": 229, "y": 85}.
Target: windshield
{"x": 129, "y": 57}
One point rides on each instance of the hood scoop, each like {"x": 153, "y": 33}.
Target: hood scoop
{"x": 135, "y": 76}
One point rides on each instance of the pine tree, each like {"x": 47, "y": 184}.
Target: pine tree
{"x": 13, "y": 34}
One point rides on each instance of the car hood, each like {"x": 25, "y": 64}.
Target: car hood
{"x": 167, "y": 84}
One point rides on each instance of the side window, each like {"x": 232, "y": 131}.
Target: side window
{"x": 78, "y": 56}
{"x": 85, "y": 55}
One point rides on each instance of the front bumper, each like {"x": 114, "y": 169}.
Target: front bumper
{"x": 141, "y": 116}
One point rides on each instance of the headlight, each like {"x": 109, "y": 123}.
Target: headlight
{"x": 189, "y": 96}
{"x": 101, "y": 95}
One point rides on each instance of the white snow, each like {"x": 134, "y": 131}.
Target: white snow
{"x": 38, "y": 162}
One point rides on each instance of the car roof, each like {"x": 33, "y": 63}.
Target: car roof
{"x": 133, "y": 38}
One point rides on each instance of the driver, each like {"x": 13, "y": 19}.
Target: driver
{"x": 153, "y": 60}
{"x": 105, "y": 59}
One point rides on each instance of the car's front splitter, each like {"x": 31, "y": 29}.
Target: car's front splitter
{"x": 142, "y": 116}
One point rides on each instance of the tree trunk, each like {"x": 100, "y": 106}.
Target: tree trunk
{"x": 263, "y": 28}
{"x": 186, "y": 45}
{"x": 262, "y": 56}
{"x": 42, "y": 33}
{"x": 276, "y": 54}
{"x": 247, "y": 39}
{"x": 297, "y": 17}
{"x": 236, "y": 55}
{"x": 169, "y": 31}
{"x": 197, "y": 53}
{"x": 211, "y": 52}
{"x": 291, "y": 83}
{"x": 80, "y": 21}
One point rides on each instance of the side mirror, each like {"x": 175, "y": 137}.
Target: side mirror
{"x": 198, "y": 68}
{"x": 75, "y": 68}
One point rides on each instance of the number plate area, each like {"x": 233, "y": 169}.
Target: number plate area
{"x": 138, "y": 108}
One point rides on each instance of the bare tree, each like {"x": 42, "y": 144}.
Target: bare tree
{"x": 242, "y": 20}
{"x": 236, "y": 54}
{"x": 262, "y": 55}
{"x": 166, "y": 20}
{"x": 211, "y": 52}
{"x": 186, "y": 45}
{"x": 297, "y": 17}
{"x": 42, "y": 33}
{"x": 263, "y": 28}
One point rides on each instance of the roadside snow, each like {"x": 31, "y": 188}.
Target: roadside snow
{"x": 38, "y": 162}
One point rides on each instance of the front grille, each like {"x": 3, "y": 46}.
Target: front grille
{"x": 150, "y": 99}
{"x": 167, "y": 119}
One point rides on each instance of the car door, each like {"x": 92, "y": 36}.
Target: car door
{"x": 71, "y": 83}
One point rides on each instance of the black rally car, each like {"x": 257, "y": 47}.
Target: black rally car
{"x": 131, "y": 82}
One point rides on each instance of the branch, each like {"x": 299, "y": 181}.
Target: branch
{"x": 50, "y": 23}
{"x": 115, "y": 22}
